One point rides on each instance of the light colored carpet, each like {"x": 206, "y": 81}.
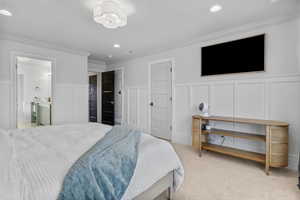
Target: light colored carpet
{"x": 219, "y": 177}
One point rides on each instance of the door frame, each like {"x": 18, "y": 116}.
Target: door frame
{"x": 13, "y": 78}
{"x": 172, "y": 60}
{"x": 97, "y": 102}
{"x": 122, "y": 89}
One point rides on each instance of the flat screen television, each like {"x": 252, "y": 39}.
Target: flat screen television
{"x": 244, "y": 55}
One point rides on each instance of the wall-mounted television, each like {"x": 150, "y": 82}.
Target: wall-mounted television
{"x": 244, "y": 55}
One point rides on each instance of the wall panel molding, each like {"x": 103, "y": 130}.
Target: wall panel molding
{"x": 252, "y": 98}
{"x": 5, "y": 111}
{"x": 66, "y": 99}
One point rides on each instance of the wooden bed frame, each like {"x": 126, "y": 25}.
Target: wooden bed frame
{"x": 164, "y": 184}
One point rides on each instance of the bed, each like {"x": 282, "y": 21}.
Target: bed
{"x": 41, "y": 158}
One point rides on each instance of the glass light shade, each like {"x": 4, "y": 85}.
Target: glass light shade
{"x": 110, "y": 14}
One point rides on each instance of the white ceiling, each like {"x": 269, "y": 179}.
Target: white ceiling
{"x": 156, "y": 25}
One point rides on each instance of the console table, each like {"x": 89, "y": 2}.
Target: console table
{"x": 275, "y": 139}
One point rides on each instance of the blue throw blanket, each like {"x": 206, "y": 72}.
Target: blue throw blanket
{"x": 104, "y": 172}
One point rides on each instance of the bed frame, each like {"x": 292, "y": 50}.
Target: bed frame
{"x": 164, "y": 184}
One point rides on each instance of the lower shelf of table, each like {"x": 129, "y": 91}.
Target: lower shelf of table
{"x": 261, "y": 158}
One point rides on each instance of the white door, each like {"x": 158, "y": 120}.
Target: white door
{"x": 161, "y": 99}
{"x": 118, "y": 96}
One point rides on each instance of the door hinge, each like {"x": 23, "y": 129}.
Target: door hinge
{"x": 171, "y": 128}
{"x": 171, "y": 69}
{"x": 171, "y": 99}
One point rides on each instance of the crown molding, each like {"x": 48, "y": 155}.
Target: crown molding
{"x": 29, "y": 41}
{"x": 213, "y": 36}
{"x": 97, "y": 62}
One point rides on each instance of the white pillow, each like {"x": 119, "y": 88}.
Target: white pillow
{"x": 6, "y": 152}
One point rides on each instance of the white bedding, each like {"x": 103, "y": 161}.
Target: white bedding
{"x": 42, "y": 157}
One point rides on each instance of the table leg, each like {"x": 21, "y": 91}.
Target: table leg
{"x": 267, "y": 167}
{"x": 200, "y": 138}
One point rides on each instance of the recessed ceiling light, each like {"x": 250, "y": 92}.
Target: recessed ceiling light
{"x": 117, "y": 45}
{"x": 216, "y": 8}
{"x": 109, "y": 56}
{"x": 5, "y": 12}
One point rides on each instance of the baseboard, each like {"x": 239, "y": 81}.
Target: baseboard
{"x": 293, "y": 162}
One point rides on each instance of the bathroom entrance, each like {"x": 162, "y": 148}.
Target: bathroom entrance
{"x": 34, "y": 92}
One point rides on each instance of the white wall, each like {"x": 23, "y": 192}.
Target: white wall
{"x": 96, "y": 66}
{"x": 274, "y": 94}
{"x": 70, "y": 83}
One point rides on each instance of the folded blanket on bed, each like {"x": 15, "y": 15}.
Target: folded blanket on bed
{"x": 104, "y": 172}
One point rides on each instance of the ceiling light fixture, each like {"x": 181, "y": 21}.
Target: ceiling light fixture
{"x": 110, "y": 56}
{"x": 216, "y": 8}
{"x": 5, "y": 13}
{"x": 117, "y": 45}
{"x": 110, "y": 14}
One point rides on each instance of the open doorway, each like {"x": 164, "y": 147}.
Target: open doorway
{"x": 34, "y": 92}
{"x": 106, "y": 97}
{"x": 112, "y": 97}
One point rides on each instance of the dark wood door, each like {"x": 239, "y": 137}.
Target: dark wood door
{"x": 93, "y": 98}
{"x": 108, "y": 98}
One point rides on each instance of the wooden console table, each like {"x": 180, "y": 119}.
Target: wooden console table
{"x": 275, "y": 139}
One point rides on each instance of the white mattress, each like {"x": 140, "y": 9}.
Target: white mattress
{"x": 43, "y": 156}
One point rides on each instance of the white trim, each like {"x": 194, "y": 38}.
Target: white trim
{"x": 172, "y": 60}
{"x": 13, "y": 88}
{"x": 5, "y": 82}
{"x": 97, "y": 62}
{"x": 42, "y": 44}
{"x": 213, "y": 36}
{"x": 122, "y": 90}
{"x": 96, "y": 70}
{"x": 123, "y": 93}
{"x": 255, "y": 79}
{"x": 293, "y": 161}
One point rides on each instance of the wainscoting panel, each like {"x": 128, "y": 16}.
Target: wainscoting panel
{"x": 285, "y": 105}
{"x": 183, "y": 123}
{"x": 274, "y": 98}
{"x": 222, "y": 99}
{"x": 70, "y": 104}
{"x": 132, "y": 107}
{"x": 63, "y": 104}
{"x": 4, "y": 105}
{"x": 137, "y": 108}
{"x": 80, "y": 103}
{"x": 199, "y": 93}
{"x": 264, "y": 98}
{"x": 250, "y": 100}
{"x": 143, "y": 106}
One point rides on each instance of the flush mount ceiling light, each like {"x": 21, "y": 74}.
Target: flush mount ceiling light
{"x": 117, "y": 45}
{"x": 216, "y": 8}
{"x": 110, "y": 14}
{"x": 5, "y": 13}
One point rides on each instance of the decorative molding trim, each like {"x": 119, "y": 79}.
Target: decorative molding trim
{"x": 212, "y": 36}
{"x": 31, "y": 42}
{"x": 293, "y": 162}
{"x": 254, "y": 79}
{"x": 5, "y": 82}
{"x": 97, "y": 62}
{"x": 71, "y": 85}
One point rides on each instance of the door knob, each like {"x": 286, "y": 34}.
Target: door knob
{"x": 151, "y": 104}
